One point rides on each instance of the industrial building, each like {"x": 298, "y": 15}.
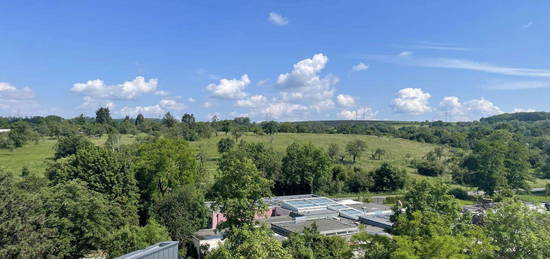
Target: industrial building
{"x": 292, "y": 214}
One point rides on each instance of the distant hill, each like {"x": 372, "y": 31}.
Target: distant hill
{"x": 519, "y": 116}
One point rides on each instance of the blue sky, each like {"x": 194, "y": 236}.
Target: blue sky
{"x": 282, "y": 60}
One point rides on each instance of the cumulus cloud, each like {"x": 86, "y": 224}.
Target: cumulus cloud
{"x": 412, "y": 101}
{"x": 364, "y": 113}
{"x": 345, "y": 100}
{"x": 252, "y": 101}
{"x": 284, "y": 110}
{"x": 277, "y": 19}
{"x": 10, "y": 92}
{"x": 360, "y": 67}
{"x": 147, "y": 111}
{"x": 323, "y": 105}
{"x": 304, "y": 81}
{"x": 230, "y": 88}
{"x": 171, "y": 105}
{"x": 454, "y": 110}
{"x": 191, "y": 99}
{"x": 127, "y": 91}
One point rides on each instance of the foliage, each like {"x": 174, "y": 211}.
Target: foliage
{"x": 102, "y": 171}
{"x": 518, "y": 231}
{"x": 270, "y": 127}
{"x": 311, "y": 244}
{"x": 306, "y": 168}
{"x": 82, "y": 217}
{"x": 333, "y": 151}
{"x": 250, "y": 242}
{"x": 369, "y": 246}
{"x": 69, "y": 145}
{"x": 130, "y": 238}
{"x": 388, "y": 178}
{"x": 164, "y": 165}
{"x": 103, "y": 116}
{"x": 188, "y": 118}
{"x": 498, "y": 162}
{"x": 182, "y": 212}
{"x": 169, "y": 121}
{"x": 239, "y": 191}
{"x": 430, "y": 168}
{"x": 225, "y": 145}
{"x": 356, "y": 148}
{"x": 23, "y": 229}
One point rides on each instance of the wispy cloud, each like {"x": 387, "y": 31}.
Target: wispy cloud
{"x": 439, "y": 46}
{"x": 277, "y": 19}
{"x": 527, "y": 25}
{"x": 459, "y": 64}
{"x": 519, "y": 85}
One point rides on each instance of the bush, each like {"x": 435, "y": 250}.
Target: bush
{"x": 460, "y": 193}
{"x": 430, "y": 168}
{"x": 388, "y": 178}
{"x": 225, "y": 145}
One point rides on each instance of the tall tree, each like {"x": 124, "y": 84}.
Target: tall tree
{"x": 163, "y": 166}
{"x": 69, "y": 145}
{"x": 103, "y": 171}
{"x": 239, "y": 191}
{"x": 356, "y": 148}
{"x": 388, "y": 178}
{"x": 188, "y": 118}
{"x": 169, "y": 121}
{"x": 270, "y": 127}
{"x": 306, "y": 168}
{"x": 250, "y": 242}
{"x": 139, "y": 120}
{"x": 103, "y": 116}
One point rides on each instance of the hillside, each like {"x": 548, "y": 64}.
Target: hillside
{"x": 36, "y": 156}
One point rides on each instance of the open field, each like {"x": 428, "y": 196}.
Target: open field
{"x": 398, "y": 151}
{"x": 37, "y": 156}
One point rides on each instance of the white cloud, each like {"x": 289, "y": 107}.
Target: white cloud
{"x": 405, "y": 53}
{"x": 288, "y": 111}
{"x": 360, "y": 67}
{"x": 323, "y": 105}
{"x": 128, "y": 90}
{"x": 92, "y": 103}
{"x": 462, "y": 64}
{"x": 524, "y": 110}
{"x": 365, "y": 113}
{"x": 171, "y": 105}
{"x": 277, "y": 19}
{"x": 162, "y": 93}
{"x": 147, "y": 111}
{"x": 345, "y": 100}
{"x": 304, "y": 82}
{"x": 207, "y": 104}
{"x": 454, "y": 110}
{"x": 230, "y": 88}
{"x": 191, "y": 99}
{"x": 10, "y": 92}
{"x": 439, "y": 46}
{"x": 262, "y": 82}
{"x": 252, "y": 101}
{"x": 527, "y": 25}
{"x": 411, "y": 101}
{"x": 519, "y": 85}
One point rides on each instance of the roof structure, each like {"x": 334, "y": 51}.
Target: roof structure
{"x": 328, "y": 227}
{"x": 162, "y": 250}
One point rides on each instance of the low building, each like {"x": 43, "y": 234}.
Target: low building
{"x": 327, "y": 227}
{"x": 162, "y": 250}
{"x": 205, "y": 240}
{"x": 381, "y": 220}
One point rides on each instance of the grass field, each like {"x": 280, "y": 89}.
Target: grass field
{"x": 37, "y": 156}
{"x": 398, "y": 151}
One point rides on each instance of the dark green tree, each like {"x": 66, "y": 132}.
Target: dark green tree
{"x": 238, "y": 192}
{"x": 306, "y": 168}
{"x": 103, "y": 116}
{"x": 169, "y": 121}
{"x": 139, "y": 120}
{"x": 270, "y": 127}
{"x": 69, "y": 145}
{"x": 225, "y": 145}
{"x": 388, "y": 178}
{"x": 183, "y": 213}
{"x": 188, "y": 118}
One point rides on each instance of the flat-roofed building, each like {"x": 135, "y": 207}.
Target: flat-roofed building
{"x": 327, "y": 227}
{"x": 207, "y": 239}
